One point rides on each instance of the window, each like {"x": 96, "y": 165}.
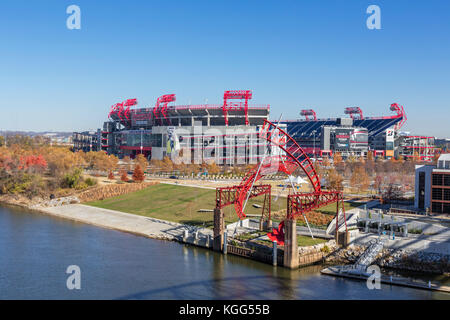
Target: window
{"x": 447, "y": 180}
{"x": 436, "y": 207}
{"x": 447, "y": 194}
{"x": 436, "y": 194}
{"x": 389, "y": 146}
{"x": 437, "y": 179}
{"x": 446, "y": 208}
{"x": 421, "y": 190}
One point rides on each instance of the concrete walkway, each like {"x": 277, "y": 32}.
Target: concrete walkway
{"x": 111, "y": 219}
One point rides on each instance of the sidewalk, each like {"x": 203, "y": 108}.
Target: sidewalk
{"x": 111, "y": 219}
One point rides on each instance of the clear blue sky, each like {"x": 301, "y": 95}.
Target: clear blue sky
{"x": 292, "y": 54}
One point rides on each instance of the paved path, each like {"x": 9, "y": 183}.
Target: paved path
{"x": 145, "y": 226}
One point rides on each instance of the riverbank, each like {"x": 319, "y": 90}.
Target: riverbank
{"x": 149, "y": 227}
{"x": 126, "y": 222}
{"x": 119, "y": 265}
{"x": 105, "y": 218}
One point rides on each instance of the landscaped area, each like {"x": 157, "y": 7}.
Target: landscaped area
{"x": 303, "y": 241}
{"x": 174, "y": 203}
{"x": 182, "y": 204}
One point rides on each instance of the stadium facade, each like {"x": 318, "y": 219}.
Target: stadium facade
{"x": 227, "y": 133}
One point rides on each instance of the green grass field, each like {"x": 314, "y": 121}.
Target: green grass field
{"x": 303, "y": 241}
{"x": 174, "y": 203}
{"x": 331, "y": 208}
{"x": 181, "y": 204}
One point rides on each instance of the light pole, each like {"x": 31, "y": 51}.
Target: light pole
{"x": 314, "y": 145}
{"x": 142, "y": 130}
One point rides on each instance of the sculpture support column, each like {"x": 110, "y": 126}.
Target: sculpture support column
{"x": 219, "y": 228}
{"x": 290, "y": 244}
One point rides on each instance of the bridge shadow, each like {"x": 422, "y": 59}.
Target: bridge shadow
{"x": 262, "y": 287}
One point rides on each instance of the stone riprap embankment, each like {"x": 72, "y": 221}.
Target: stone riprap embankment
{"x": 409, "y": 260}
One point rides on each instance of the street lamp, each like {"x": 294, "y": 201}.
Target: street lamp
{"x": 142, "y": 130}
{"x": 314, "y": 145}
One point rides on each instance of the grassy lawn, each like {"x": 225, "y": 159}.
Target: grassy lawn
{"x": 331, "y": 208}
{"x": 181, "y": 204}
{"x": 174, "y": 203}
{"x": 304, "y": 241}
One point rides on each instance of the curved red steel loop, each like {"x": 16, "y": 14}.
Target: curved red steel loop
{"x": 278, "y": 234}
{"x": 291, "y": 157}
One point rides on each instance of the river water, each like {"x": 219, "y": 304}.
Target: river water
{"x": 35, "y": 251}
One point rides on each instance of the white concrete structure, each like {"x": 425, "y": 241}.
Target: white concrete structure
{"x": 422, "y": 199}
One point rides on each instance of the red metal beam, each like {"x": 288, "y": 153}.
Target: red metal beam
{"x": 309, "y": 112}
{"x": 236, "y": 94}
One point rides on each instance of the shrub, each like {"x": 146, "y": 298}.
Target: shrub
{"x": 81, "y": 186}
{"x": 90, "y": 182}
{"x": 415, "y": 231}
{"x": 325, "y": 249}
{"x": 72, "y": 179}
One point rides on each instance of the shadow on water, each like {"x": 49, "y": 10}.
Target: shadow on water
{"x": 270, "y": 283}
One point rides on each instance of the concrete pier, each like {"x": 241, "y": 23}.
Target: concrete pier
{"x": 275, "y": 254}
{"x": 290, "y": 244}
{"x": 219, "y": 229}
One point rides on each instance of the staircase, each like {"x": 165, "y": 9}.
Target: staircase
{"x": 368, "y": 257}
{"x": 331, "y": 229}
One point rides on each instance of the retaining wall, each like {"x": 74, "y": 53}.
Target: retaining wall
{"x": 112, "y": 190}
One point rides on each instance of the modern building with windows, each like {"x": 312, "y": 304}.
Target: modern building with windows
{"x": 225, "y": 133}
{"x": 432, "y": 191}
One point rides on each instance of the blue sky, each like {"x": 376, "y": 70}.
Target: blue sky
{"x": 292, "y": 54}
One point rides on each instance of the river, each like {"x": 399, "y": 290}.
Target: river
{"x": 36, "y": 249}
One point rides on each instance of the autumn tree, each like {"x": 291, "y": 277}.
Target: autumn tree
{"x": 104, "y": 162}
{"x": 378, "y": 182}
{"x": 128, "y": 162}
{"x": 335, "y": 180}
{"x": 370, "y": 164}
{"x": 61, "y": 161}
{"x": 138, "y": 174}
{"x": 33, "y": 163}
{"x": 142, "y": 161}
{"x": 124, "y": 176}
{"x": 360, "y": 179}
{"x": 213, "y": 168}
{"x": 167, "y": 164}
{"x": 193, "y": 168}
{"x": 338, "y": 163}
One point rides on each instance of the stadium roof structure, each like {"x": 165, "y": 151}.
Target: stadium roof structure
{"x": 375, "y": 125}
